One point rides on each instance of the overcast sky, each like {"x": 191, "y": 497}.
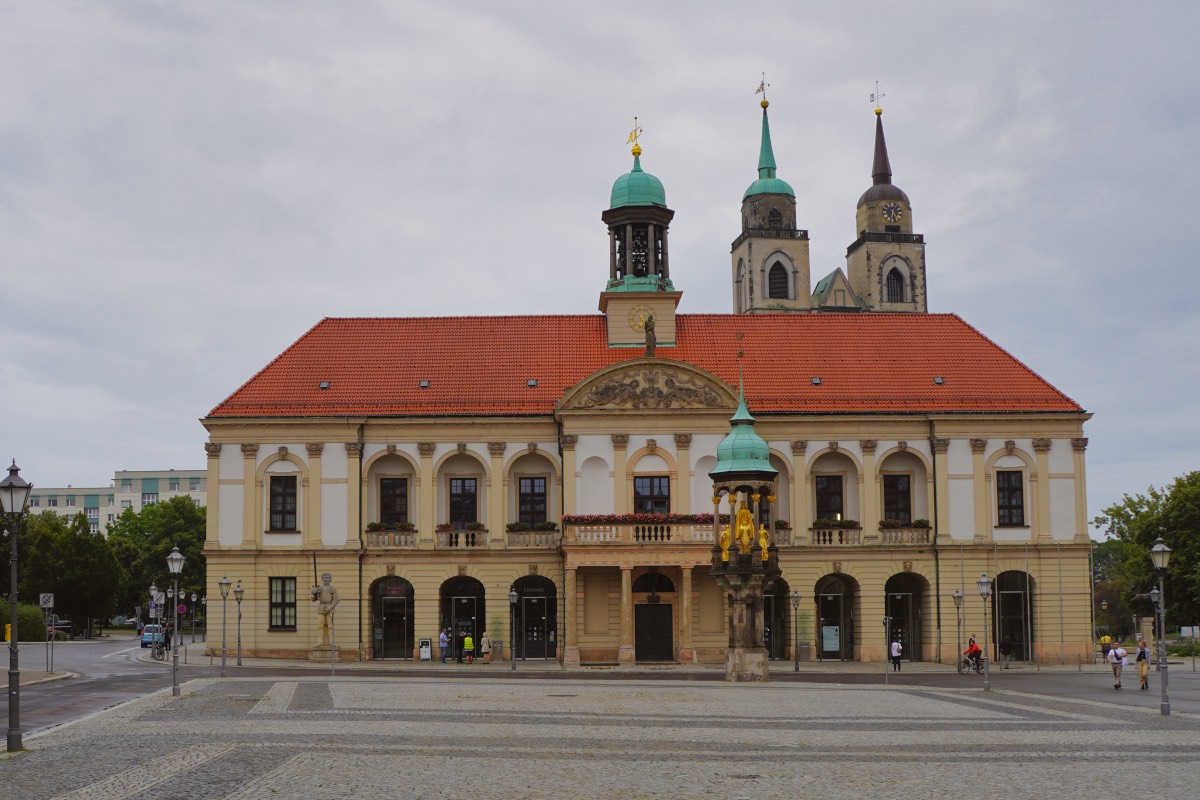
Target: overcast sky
{"x": 187, "y": 187}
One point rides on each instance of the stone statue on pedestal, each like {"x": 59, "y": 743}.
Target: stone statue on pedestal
{"x": 327, "y": 598}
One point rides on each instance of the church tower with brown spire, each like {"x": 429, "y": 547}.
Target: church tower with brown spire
{"x": 886, "y": 263}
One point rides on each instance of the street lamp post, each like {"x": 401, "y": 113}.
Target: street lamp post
{"x": 204, "y": 602}
{"x": 193, "y": 617}
{"x": 238, "y": 591}
{"x": 957, "y": 595}
{"x": 224, "y": 583}
{"x": 175, "y": 565}
{"x": 512, "y": 603}
{"x": 796, "y": 631}
{"x": 14, "y": 494}
{"x": 887, "y": 648}
{"x": 985, "y": 591}
{"x": 1160, "y": 554}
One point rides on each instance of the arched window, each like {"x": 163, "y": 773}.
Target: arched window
{"x": 775, "y": 219}
{"x": 777, "y": 282}
{"x": 895, "y": 286}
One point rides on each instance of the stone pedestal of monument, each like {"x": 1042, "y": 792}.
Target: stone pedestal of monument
{"x": 747, "y": 665}
{"x": 324, "y": 654}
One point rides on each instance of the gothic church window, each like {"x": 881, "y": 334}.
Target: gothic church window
{"x": 774, "y": 219}
{"x": 895, "y": 286}
{"x": 777, "y": 282}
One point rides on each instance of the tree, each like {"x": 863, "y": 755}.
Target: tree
{"x": 62, "y": 555}
{"x": 1136, "y": 522}
{"x": 143, "y": 540}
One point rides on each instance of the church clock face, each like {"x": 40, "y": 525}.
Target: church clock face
{"x": 638, "y": 315}
{"x": 892, "y": 212}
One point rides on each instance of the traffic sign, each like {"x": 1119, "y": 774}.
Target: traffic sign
{"x": 182, "y": 609}
{"x": 46, "y": 600}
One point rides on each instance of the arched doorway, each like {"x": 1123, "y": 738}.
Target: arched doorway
{"x": 904, "y": 600}
{"x": 537, "y": 614}
{"x": 1012, "y": 612}
{"x": 653, "y": 628}
{"x": 392, "y": 618}
{"x": 776, "y": 602}
{"x": 836, "y": 598}
{"x": 462, "y": 611}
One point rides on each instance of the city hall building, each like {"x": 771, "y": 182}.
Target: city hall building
{"x": 448, "y": 476}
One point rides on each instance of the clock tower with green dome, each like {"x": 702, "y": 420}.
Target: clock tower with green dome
{"x": 770, "y": 256}
{"x": 885, "y": 265}
{"x": 639, "y": 293}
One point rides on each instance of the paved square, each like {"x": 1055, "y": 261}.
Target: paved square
{"x": 323, "y": 739}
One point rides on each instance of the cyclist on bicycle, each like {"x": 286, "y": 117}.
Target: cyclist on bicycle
{"x": 973, "y": 652}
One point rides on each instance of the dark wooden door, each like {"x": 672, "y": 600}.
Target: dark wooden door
{"x": 652, "y": 634}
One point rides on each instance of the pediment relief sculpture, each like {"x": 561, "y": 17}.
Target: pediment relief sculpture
{"x": 656, "y": 385}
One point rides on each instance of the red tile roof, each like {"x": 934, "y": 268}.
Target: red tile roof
{"x": 867, "y": 363}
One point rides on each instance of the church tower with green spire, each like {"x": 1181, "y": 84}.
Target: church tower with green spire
{"x": 885, "y": 265}
{"x": 770, "y": 257}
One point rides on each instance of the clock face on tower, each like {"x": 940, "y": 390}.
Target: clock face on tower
{"x": 892, "y": 212}
{"x": 638, "y": 315}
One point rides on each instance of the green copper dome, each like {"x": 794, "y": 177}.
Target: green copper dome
{"x": 767, "y": 183}
{"x": 742, "y": 450}
{"x": 637, "y": 188}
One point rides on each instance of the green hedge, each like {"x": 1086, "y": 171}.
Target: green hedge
{"x": 29, "y": 618}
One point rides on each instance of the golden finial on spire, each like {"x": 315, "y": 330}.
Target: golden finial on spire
{"x": 762, "y": 89}
{"x": 877, "y": 99}
{"x": 633, "y": 138}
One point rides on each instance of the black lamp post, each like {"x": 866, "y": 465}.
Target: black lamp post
{"x": 796, "y": 631}
{"x": 193, "y": 617}
{"x": 175, "y": 566}
{"x": 14, "y": 494}
{"x": 887, "y": 647}
{"x": 985, "y": 591}
{"x": 1160, "y": 554}
{"x": 512, "y": 603}
{"x": 957, "y": 596}
{"x": 224, "y": 583}
{"x": 204, "y": 602}
{"x": 238, "y": 591}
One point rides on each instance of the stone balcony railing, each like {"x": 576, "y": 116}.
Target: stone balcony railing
{"x": 395, "y": 539}
{"x": 854, "y": 537}
{"x": 638, "y": 534}
{"x": 903, "y": 536}
{"x": 837, "y": 537}
{"x": 462, "y": 540}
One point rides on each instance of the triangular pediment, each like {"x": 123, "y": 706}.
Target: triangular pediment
{"x": 833, "y": 293}
{"x": 649, "y": 384}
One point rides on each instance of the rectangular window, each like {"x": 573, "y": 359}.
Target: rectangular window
{"x": 829, "y": 497}
{"x": 149, "y": 498}
{"x": 532, "y": 500}
{"x": 464, "y": 505}
{"x": 111, "y": 517}
{"x": 70, "y": 501}
{"x": 52, "y": 501}
{"x": 173, "y": 484}
{"x": 393, "y": 500}
{"x": 283, "y": 503}
{"x": 34, "y": 502}
{"x": 1010, "y": 497}
{"x": 651, "y": 494}
{"x": 93, "y": 527}
{"x": 127, "y": 484}
{"x": 93, "y": 513}
{"x": 126, "y": 504}
{"x": 111, "y": 500}
{"x": 283, "y": 604}
{"x": 897, "y": 499}
{"x": 193, "y": 484}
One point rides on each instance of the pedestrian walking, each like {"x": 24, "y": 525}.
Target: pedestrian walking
{"x": 1006, "y": 647}
{"x": 1105, "y": 645}
{"x": 1116, "y": 658}
{"x": 485, "y": 647}
{"x": 897, "y": 650}
{"x": 1143, "y": 664}
{"x": 460, "y": 636}
{"x": 444, "y": 644}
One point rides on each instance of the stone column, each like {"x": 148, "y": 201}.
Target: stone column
{"x": 213, "y": 479}
{"x": 252, "y": 492}
{"x": 1078, "y": 448}
{"x": 312, "y": 497}
{"x": 979, "y": 482}
{"x": 626, "y": 655}
{"x": 683, "y": 472}
{"x": 940, "y": 447}
{"x": 571, "y": 620}
{"x": 871, "y": 509}
{"x": 687, "y": 650}
{"x": 801, "y": 492}
{"x": 570, "y": 479}
{"x": 354, "y": 500}
{"x": 497, "y": 495}
{"x": 1041, "y": 495}
{"x": 427, "y": 513}
{"x": 621, "y": 499}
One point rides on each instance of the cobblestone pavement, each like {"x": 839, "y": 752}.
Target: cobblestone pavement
{"x": 326, "y": 738}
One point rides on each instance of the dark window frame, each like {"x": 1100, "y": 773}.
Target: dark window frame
{"x": 464, "y": 501}
{"x": 897, "y": 498}
{"x": 531, "y": 500}
{"x": 652, "y": 494}
{"x": 830, "y": 496}
{"x": 895, "y": 290}
{"x": 1010, "y": 498}
{"x": 282, "y": 604}
{"x": 393, "y": 502}
{"x": 777, "y": 282}
{"x": 284, "y": 491}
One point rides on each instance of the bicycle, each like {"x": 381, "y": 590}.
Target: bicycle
{"x": 159, "y": 651}
{"x": 967, "y": 664}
